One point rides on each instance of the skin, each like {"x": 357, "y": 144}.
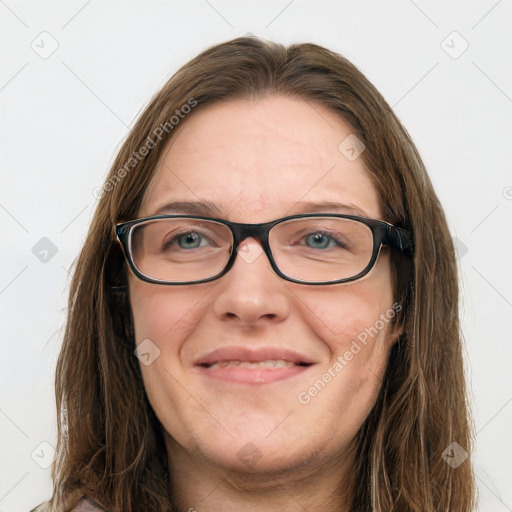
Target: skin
{"x": 256, "y": 160}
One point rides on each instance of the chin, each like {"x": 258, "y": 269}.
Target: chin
{"x": 259, "y": 453}
{"x": 255, "y": 459}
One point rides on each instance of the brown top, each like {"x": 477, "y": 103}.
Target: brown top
{"x": 87, "y": 504}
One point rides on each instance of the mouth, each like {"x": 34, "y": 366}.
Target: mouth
{"x": 269, "y": 364}
{"x": 258, "y": 366}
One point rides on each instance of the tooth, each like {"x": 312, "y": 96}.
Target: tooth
{"x": 276, "y": 363}
{"x": 269, "y": 364}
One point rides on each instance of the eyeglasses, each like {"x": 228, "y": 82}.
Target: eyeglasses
{"x": 313, "y": 249}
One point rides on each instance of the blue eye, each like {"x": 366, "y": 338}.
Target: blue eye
{"x": 319, "y": 240}
{"x": 189, "y": 240}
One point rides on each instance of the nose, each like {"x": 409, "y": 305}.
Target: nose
{"x": 251, "y": 291}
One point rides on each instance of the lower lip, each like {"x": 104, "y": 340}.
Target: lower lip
{"x": 252, "y": 375}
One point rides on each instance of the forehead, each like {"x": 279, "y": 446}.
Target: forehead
{"x": 258, "y": 160}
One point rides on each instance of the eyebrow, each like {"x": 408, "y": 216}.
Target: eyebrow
{"x": 329, "y": 207}
{"x": 210, "y": 209}
{"x": 204, "y": 208}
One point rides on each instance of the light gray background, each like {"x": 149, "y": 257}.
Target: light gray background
{"x": 63, "y": 117}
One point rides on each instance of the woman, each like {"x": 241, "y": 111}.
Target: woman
{"x": 264, "y": 315}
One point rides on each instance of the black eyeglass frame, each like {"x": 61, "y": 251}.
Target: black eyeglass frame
{"x": 383, "y": 232}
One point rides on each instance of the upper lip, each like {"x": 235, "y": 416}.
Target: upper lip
{"x": 253, "y": 355}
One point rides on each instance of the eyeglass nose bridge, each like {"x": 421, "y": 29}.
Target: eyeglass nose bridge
{"x": 259, "y": 232}
{"x": 256, "y": 231}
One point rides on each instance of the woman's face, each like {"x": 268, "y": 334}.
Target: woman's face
{"x": 257, "y": 161}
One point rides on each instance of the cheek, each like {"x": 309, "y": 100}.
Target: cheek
{"x": 161, "y": 313}
{"x": 359, "y": 311}
{"x": 353, "y": 321}
{"x": 167, "y": 317}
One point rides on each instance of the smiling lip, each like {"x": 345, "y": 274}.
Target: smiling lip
{"x": 253, "y": 366}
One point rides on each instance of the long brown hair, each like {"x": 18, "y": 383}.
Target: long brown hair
{"x": 111, "y": 446}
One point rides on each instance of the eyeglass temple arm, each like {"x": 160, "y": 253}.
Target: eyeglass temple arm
{"x": 400, "y": 239}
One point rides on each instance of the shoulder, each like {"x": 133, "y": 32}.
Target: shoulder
{"x": 87, "y": 504}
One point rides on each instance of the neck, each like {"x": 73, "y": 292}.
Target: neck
{"x": 197, "y": 484}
